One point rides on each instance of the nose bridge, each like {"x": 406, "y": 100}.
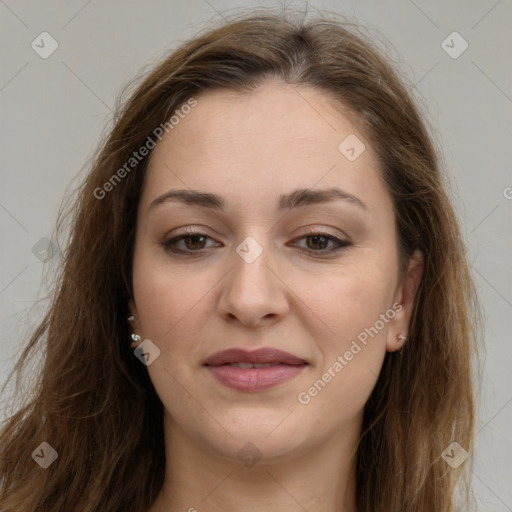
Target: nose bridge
{"x": 250, "y": 274}
{"x": 252, "y": 290}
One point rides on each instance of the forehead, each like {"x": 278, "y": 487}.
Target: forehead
{"x": 284, "y": 116}
{"x": 260, "y": 144}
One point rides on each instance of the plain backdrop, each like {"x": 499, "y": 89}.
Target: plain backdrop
{"x": 54, "y": 109}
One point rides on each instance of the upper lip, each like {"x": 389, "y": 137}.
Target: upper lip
{"x": 260, "y": 356}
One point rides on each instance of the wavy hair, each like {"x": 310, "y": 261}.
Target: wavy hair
{"x": 95, "y": 404}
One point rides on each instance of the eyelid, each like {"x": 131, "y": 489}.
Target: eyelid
{"x": 311, "y": 231}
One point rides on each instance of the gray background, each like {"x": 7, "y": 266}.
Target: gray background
{"x": 54, "y": 110}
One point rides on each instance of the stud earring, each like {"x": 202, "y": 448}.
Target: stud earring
{"x": 402, "y": 337}
{"x": 135, "y": 337}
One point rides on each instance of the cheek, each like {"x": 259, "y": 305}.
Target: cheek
{"x": 168, "y": 305}
{"x": 173, "y": 305}
{"x": 163, "y": 293}
{"x": 349, "y": 298}
{"x": 351, "y": 305}
{"x": 352, "y": 352}
{"x": 166, "y": 300}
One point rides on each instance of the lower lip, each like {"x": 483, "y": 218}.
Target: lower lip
{"x": 254, "y": 379}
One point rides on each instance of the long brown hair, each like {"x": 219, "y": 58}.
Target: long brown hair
{"x": 94, "y": 403}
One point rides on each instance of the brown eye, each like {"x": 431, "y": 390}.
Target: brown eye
{"x": 190, "y": 243}
{"x": 318, "y": 240}
{"x": 319, "y": 243}
{"x": 196, "y": 241}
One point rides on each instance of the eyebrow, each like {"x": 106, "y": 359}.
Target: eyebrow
{"x": 296, "y": 199}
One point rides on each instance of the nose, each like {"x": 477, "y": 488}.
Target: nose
{"x": 253, "y": 293}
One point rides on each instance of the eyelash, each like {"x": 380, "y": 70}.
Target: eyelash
{"x": 168, "y": 244}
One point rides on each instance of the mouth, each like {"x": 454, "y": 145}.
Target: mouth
{"x": 254, "y": 371}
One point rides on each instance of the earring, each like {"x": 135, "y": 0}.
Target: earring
{"x": 402, "y": 337}
{"x": 135, "y": 337}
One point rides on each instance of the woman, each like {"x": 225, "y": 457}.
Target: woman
{"x": 264, "y": 303}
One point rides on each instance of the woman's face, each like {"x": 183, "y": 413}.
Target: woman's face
{"x": 313, "y": 275}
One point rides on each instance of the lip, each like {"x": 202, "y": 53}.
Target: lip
{"x": 260, "y": 356}
{"x": 284, "y": 367}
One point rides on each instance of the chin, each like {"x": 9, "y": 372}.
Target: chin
{"x": 253, "y": 447}
{"x": 269, "y": 434}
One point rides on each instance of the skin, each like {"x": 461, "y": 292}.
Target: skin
{"x": 250, "y": 149}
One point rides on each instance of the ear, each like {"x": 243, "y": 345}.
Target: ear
{"x": 134, "y": 324}
{"x": 406, "y": 291}
{"x": 132, "y": 308}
